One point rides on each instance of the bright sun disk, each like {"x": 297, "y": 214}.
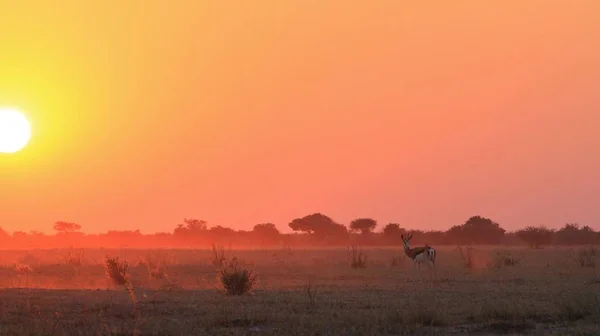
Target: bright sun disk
{"x": 15, "y": 130}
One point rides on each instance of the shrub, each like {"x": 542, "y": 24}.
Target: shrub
{"x": 587, "y": 256}
{"x": 235, "y": 278}
{"x": 75, "y": 258}
{"x": 399, "y": 260}
{"x": 23, "y": 269}
{"x": 357, "y": 258}
{"x": 116, "y": 270}
{"x": 156, "y": 269}
{"x": 504, "y": 260}
{"x": 468, "y": 256}
{"x": 218, "y": 256}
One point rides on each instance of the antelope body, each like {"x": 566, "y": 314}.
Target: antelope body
{"x": 420, "y": 255}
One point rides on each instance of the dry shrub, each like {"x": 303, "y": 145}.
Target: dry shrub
{"x": 218, "y": 255}
{"x": 468, "y": 256}
{"x": 357, "y": 258}
{"x": 503, "y": 260}
{"x": 23, "y": 269}
{"x": 398, "y": 261}
{"x": 156, "y": 268}
{"x": 587, "y": 256}
{"x": 75, "y": 258}
{"x": 116, "y": 270}
{"x": 235, "y": 278}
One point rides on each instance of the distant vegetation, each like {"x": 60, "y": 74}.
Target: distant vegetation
{"x": 312, "y": 230}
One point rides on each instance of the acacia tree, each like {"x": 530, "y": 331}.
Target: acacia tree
{"x": 320, "y": 227}
{"x": 364, "y": 225}
{"x": 312, "y": 224}
{"x": 536, "y": 237}
{"x": 66, "y": 227}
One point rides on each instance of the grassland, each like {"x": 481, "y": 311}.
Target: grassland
{"x": 301, "y": 292}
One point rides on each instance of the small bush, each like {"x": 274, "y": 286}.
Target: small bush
{"x": 235, "y": 278}
{"x": 156, "y": 268}
{"x": 218, "y": 257}
{"x": 23, "y": 269}
{"x": 504, "y": 260}
{"x": 587, "y": 256}
{"x": 397, "y": 261}
{"x": 357, "y": 258}
{"x": 116, "y": 270}
{"x": 468, "y": 256}
{"x": 75, "y": 258}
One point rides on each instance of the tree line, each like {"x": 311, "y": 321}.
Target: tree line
{"x": 311, "y": 230}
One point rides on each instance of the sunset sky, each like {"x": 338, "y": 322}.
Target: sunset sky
{"x": 242, "y": 112}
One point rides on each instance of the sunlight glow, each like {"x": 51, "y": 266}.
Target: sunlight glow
{"x": 15, "y": 130}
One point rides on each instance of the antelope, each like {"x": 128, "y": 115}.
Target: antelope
{"x": 419, "y": 255}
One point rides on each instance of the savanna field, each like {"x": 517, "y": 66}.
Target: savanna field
{"x": 478, "y": 291}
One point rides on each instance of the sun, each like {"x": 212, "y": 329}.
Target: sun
{"x": 15, "y": 130}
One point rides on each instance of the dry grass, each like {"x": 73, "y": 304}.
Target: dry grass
{"x": 545, "y": 292}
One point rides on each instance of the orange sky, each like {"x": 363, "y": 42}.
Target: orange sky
{"x": 242, "y": 112}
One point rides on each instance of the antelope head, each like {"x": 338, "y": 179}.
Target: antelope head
{"x": 406, "y": 241}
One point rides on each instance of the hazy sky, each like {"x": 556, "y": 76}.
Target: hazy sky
{"x": 241, "y": 112}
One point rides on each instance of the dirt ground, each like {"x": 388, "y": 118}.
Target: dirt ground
{"x": 302, "y": 292}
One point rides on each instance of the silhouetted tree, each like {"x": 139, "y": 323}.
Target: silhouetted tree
{"x": 476, "y": 230}
{"x": 266, "y": 232}
{"x": 392, "y": 232}
{"x": 195, "y": 225}
{"x": 334, "y": 234}
{"x": 536, "y": 237}
{"x": 66, "y": 227}
{"x": 320, "y": 227}
{"x": 191, "y": 226}
{"x": 364, "y": 225}
{"x": 312, "y": 224}
{"x": 573, "y": 234}
{"x": 220, "y": 233}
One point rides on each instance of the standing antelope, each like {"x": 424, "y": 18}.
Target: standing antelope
{"x": 419, "y": 255}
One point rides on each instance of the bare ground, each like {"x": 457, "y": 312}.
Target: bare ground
{"x": 546, "y": 292}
